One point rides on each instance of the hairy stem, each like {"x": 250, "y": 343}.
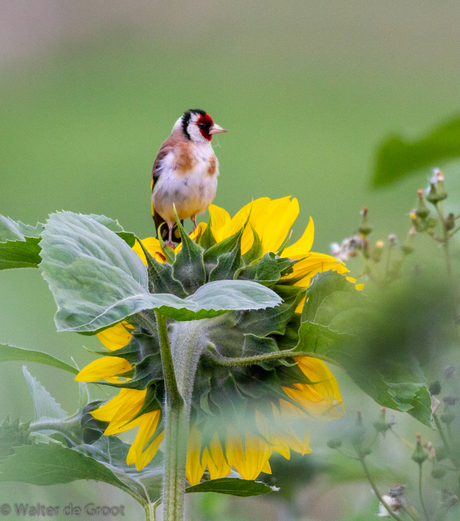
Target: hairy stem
{"x": 150, "y": 511}
{"x": 251, "y": 360}
{"x": 176, "y": 427}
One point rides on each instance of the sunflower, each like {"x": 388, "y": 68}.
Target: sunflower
{"x": 240, "y": 414}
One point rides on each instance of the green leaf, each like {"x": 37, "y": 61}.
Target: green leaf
{"x": 211, "y": 256}
{"x": 18, "y": 354}
{"x": 115, "y": 226}
{"x": 97, "y": 280}
{"x": 406, "y": 394}
{"x": 207, "y": 240}
{"x": 161, "y": 276}
{"x": 228, "y": 263}
{"x": 52, "y": 464}
{"x": 268, "y": 270}
{"x": 256, "y": 250}
{"x": 398, "y": 156}
{"x": 12, "y": 434}
{"x": 233, "y": 487}
{"x": 334, "y": 310}
{"x": 45, "y": 405}
{"x": 323, "y": 285}
{"x": 188, "y": 268}
{"x": 19, "y": 246}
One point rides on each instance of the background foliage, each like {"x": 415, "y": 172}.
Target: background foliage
{"x": 308, "y": 91}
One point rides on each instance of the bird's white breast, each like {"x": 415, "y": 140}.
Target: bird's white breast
{"x": 187, "y": 180}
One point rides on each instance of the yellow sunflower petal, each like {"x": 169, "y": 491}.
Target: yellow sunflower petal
{"x": 194, "y": 467}
{"x": 120, "y": 411}
{"x": 266, "y": 468}
{"x": 148, "y": 423}
{"x": 320, "y": 398}
{"x": 279, "y": 218}
{"x": 255, "y": 210}
{"x": 107, "y": 411}
{"x": 152, "y": 245}
{"x": 117, "y": 336}
{"x": 249, "y": 461}
{"x": 313, "y": 264}
{"x": 214, "y": 459}
{"x": 219, "y": 220}
{"x": 146, "y": 457}
{"x": 303, "y": 245}
{"x": 103, "y": 368}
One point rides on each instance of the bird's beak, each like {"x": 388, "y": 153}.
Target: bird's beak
{"x": 216, "y": 129}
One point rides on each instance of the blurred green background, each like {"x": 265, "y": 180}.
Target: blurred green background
{"x": 307, "y": 89}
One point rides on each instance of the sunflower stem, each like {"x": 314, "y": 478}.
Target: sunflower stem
{"x": 176, "y": 430}
{"x": 251, "y": 360}
{"x": 176, "y": 424}
{"x": 150, "y": 511}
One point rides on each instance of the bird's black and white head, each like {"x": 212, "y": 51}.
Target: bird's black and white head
{"x": 198, "y": 126}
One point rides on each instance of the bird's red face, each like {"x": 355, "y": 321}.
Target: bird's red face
{"x": 205, "y": 123}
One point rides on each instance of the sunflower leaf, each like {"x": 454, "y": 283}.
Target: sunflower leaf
{"x": 45, "y": 405}
{"x": 233, "y": 487}
{"x": 97, "y": 280}
{"x": 51, "y": 464}
{"x": 19, "y": 246}
{"x": 332, "y": 312}
{"x": 10, "y": 353}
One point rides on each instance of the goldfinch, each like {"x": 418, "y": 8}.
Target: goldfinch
{"x": 184, "y": 173}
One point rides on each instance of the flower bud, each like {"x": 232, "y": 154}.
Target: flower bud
{"x": 365, "y": 228}
{"x": 408, "y": 246}
{"x": 435, "y": 388}
{"x": 437, "y": 471}
{"x": 447, "y": 416}
{"x": 378, "y": 250}
{"x": 334, "y": 443}
{"x": 422, "y": 210}
{"x": 392, "y": 240}
{"x": 381, "y": 425}
{"x": 441, "y": 453}
{"x": 440, "y": 183}
{"x": 449, "y": 371}
{"x": 420, "y": 454}
{"x": 357, "y": 431}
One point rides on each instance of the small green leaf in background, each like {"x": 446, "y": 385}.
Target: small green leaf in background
{"x": 398, "y": 156}
{"x": 233, "y": 487}
{"x": 19, "y": 354}
{"x": 19, "y": 246}
{"x": 45, "y": 405}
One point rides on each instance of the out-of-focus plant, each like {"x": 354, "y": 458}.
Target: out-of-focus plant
{"x": 417, "y": 319}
